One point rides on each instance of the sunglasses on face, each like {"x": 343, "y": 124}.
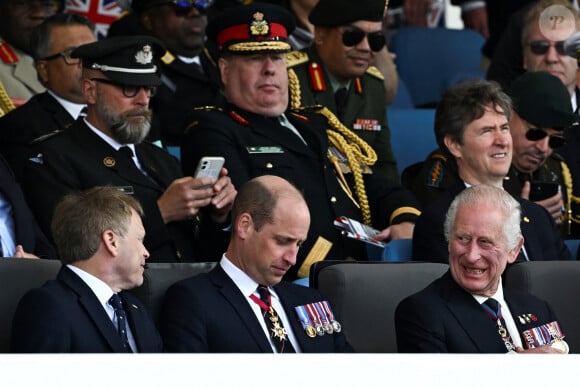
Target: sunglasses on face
{"x": 184, "y": 7}
{"x": 64, "y": 55}
{"x": 535, "y": 134}
{"x": 129, "y": 91}
{"x": 354, "y": 35}
{"x": 541, "y": 47}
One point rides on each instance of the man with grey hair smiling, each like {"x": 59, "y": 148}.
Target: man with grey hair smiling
{"x": 468, "y": 310}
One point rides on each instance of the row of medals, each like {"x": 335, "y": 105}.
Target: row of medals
{"x": 321, "y": 329}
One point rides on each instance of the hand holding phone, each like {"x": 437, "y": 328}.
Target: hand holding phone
{"x": 541, "y": 190}
{"x": 209, "y": 166}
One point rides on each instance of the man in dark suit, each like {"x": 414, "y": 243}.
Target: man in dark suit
{"x": 471, "y": 122}
{"x": 107, "y": 148}
{"x": 467, "y": 310}
{"x": 58, "y": 107}
{"x": 20, "y": 235}
{"x": 256, "y": 137}
{"x": 99, "y": 236}
{"x": 223, "y": 311}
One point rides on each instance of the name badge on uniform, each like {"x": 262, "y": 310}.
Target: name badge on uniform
{"x": 366, "y": 124}
{"x": 264, "y": 149}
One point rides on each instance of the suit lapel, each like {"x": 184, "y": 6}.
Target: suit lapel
{"x": 473, "y": 319}
{"x": 93, "y": 308}
{"x": 233, "y": 296}
{"x": 289, "y": 302}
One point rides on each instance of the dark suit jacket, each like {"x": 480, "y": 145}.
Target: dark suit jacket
{"x": 78, "y": 159}
{"x": 254, "y": 145}
{"x": 64, "y": 315}
{"x": 542, "y": 238}
{"x": 26, "y": 229}
{"x": 42, "y": 114}
{"x": 445, "y": 318}
{"x": 208, "y": 313}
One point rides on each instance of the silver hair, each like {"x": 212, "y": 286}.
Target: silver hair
{"x": 490, "y": 195}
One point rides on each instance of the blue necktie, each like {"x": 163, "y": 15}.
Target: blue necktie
{"x": 117, "y": 304}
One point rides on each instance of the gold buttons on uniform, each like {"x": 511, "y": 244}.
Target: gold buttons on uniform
{"x": 333, "y": 199}
{"x": 269, "y": 165}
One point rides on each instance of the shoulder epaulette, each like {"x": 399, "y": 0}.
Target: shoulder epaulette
{"x": 167, "y": 58}
{"x": 307, "y": 108}
{"x": 295, "y": 58}
{"x": 375, "y": 72}
{"x": 7, "y": 54}
{"x": 45, "y": 137}
{"x": 208, "y": 108}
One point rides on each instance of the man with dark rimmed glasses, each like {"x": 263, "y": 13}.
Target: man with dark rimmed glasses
{"x": 336, "y": 71}
{"x": 120, "y": 75}
{"x": 57, "y": 108}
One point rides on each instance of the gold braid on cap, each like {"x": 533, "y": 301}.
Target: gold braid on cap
{"x": 6, "y": 103}
{"x": 356, "y": 150}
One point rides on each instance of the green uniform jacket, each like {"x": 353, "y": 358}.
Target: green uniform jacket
{"x": 365, "y": 112}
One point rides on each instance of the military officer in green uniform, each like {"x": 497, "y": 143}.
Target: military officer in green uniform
{"x": 541, "y": 111}
{"x": 336, "y": 72}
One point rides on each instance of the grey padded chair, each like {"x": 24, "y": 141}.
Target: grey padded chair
{"x": 364, "y": 296}
{"x": 17, "y": 276}
{"x": 160, "y": 276}
{"x": 557, "y": 282}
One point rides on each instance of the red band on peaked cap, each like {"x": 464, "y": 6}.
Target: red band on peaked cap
{"x": 241, "y": 32}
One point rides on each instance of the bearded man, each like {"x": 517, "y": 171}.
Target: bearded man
{"x": 106, "y": 147}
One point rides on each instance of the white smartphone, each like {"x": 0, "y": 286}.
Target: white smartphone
{"x": 209, "y": 166}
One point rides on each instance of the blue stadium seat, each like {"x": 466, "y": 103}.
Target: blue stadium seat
{"x": 398, "y": 250}
{"x": 175, "y": 151}
{"x": 412, "y": 136}
{"x": 431, "y": 59}
{"x": 572, "y": 245}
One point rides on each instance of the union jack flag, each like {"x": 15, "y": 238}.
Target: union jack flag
{"x": 100, "y": 12}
